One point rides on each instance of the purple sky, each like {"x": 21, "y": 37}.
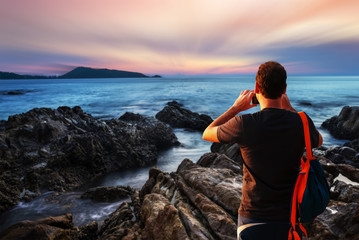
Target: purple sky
{"x": 179, "y": 36}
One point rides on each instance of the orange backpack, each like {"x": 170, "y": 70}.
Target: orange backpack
{"x": 311, "y": 192}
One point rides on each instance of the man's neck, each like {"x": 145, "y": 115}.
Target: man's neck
{"x": 270, "y": 103}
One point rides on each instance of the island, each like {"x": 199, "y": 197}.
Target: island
{"x": 81, "y": 72}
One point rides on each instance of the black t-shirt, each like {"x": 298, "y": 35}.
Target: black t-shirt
{"x": 271, "y": 143}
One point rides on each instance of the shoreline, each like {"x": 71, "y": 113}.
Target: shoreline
{"x": 325, "y": 153}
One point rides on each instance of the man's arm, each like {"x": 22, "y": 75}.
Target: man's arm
{"x": 242, "y": 103}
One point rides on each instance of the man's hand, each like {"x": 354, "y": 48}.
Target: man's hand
{"x": 242, "y": 103}
{"x": 286, "y": 104}
{"x": 244, "y": 100}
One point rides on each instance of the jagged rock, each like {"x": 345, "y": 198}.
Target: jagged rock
{"x": 63, "y": 149}
{"x": 108, "y": 194}
{"x": 60, "y": 227}
{"x": 231, "y": 150}
{"x": 177, "y": 116}
{"x": 221, "y": 185}
{"x": 215, "y": 160}
{"x": 161, "y": 135}
{"x": 121, "y": 224}
{"x": 218, "y": 219}
{"x": 343, "y": 154}
{"x": 206, "y": 198}
{"x": 340, "y": 221}
{"x": 345, "y": 192}
{"x": 161, "y": 219}
{"x": 353, "y": 144}
{"x": 346, "y": 125}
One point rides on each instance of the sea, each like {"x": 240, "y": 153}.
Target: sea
{"x": 321, "y": 97}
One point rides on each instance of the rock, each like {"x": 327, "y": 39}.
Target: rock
{"x": 158, "y": 132}
{"x": 342, "y": 154}
{"x": 108, "y": 194}
{"x": 161, "y": 219}
{"x": 346, "y": 125}
{"x": 177, "y": 116}
{"x": 219, "y": 221}
{"x": 353, "y": 144}
{"x": 121, "y": 224}
{"x": 60, "y": 227}
{"x": 215, "y": 160}
{"x": 222, "y": 186}
{"x": 231, "y": 150}
{"x": 206, "y": 198}
{"x": 339, "y": 221}
{"x": 345, "y": 192}
{"x": 63, "y": 149}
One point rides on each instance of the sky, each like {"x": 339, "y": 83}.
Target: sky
{"x": 187, "y": 37}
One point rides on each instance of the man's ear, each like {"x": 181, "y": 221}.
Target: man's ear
{"x": 256, "y": 89}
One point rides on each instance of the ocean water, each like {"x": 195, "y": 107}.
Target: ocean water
{"x": 319, "y": 96}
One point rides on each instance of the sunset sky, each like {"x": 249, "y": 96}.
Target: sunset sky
{"x": 179, "y": 36}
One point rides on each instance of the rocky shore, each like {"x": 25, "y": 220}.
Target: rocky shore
{"x": 62, "y": 149}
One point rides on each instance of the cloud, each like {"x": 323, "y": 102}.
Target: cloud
{"x": 167, "y": 36}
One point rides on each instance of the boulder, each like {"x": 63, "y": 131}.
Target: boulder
{"x": 65, "y": 148}
{"x": 205, "y": 198}
{"x": 345, "y": 125}
{"x": 175, "y": 115}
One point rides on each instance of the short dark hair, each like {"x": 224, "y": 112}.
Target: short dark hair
{"x": 271, "y": 79}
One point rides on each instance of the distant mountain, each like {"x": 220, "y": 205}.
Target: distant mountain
{"x": 85, "y": 72}
{"x": 81, "y": 72}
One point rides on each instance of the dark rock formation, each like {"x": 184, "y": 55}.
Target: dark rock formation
{"x": 64, "y": 149}
{"x": 179, "y": 117}
{"x": 346, "y": 154}
{"x": 231, "y": 150}
{"x": 346, "y": 125}
{"x": 60, "y": 227}
{"x": 121, "y": 224}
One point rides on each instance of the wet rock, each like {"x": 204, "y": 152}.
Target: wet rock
{"x": 158, "y": 132}
{"x": 177, "y": 116}
{"x": 63, "y": 149}
{"x": 108, "y": 194}
{"x": 345, "y": 125}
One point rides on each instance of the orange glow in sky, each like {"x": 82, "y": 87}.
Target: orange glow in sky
{"x": 179, "y": 37}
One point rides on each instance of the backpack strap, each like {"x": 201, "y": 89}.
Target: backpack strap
{"x": 308, "y": 145}
{"x": 301, "y": 184}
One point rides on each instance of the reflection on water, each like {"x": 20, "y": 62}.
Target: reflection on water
{"x": 51, "y": 204}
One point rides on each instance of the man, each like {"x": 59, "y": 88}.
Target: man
{"x": 271, "y": 143}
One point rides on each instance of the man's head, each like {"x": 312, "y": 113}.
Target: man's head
{"x": 271, "y": 80}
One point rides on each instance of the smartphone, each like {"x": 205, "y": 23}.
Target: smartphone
{"x": 255, "y": 100}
